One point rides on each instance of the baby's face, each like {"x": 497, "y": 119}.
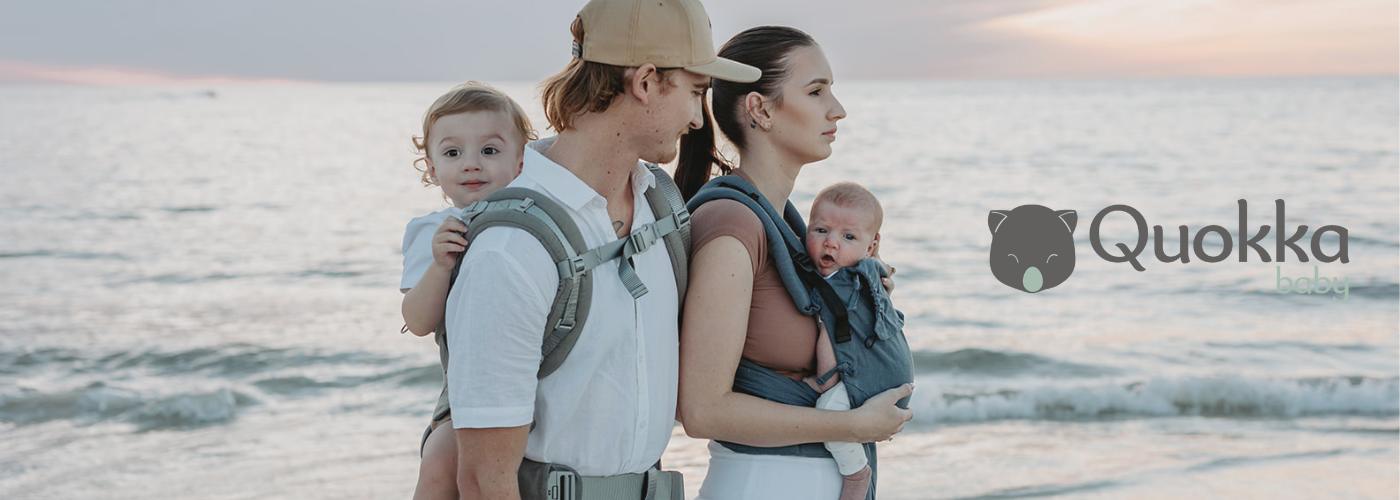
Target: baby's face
{"x": 473, "y": 154}
{"x": 839, "y": 236}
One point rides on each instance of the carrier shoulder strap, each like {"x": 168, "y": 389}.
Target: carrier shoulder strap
{"x": 667, "y": 203}
{"x": 795, "y": 268}
{"x": 550, "y": 224}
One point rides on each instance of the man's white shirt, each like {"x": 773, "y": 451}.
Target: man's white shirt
{"x": 610, "y": 407}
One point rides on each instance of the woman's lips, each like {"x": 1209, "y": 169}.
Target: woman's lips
{"x": 830, "y": 133}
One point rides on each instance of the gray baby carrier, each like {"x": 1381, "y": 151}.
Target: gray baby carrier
{"x": 550, "y": 223}
{"x": 872, "y": 354}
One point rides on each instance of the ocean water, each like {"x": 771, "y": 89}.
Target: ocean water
{"x": 200, "y": 301}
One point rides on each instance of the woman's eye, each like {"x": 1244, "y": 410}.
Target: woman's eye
{"x": 451, "y": 153}
{"x": 489, "y": 150}
{"x": 816, "y": 92}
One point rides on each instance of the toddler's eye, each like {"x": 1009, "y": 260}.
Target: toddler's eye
{"x": 489, "y": 150}
{"x": 819, "y": 230}
{"x": 451, "y": 153}
{"x": 850, "y": 237}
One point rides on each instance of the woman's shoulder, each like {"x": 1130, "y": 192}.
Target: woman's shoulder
{"x": 729, "y": 218}
{"x": 725, "y": 213}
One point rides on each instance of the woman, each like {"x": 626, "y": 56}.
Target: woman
{"x": 736, "y": 305}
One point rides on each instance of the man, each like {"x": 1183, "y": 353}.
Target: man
{"x": 636, "y": 85}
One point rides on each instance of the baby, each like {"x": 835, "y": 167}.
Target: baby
{"x": 473, "y": 144}
{"x": 843, "y": 229}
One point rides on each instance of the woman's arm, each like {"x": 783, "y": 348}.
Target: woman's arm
{"x": 713, "y": 329}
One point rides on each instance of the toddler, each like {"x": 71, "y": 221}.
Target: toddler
{"x": 473, "y": 144}
{"x": 843, "y": 229}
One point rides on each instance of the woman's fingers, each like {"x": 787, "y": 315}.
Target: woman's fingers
{"x": 904, "y": 391}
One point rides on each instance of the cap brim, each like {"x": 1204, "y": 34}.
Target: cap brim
{"x": 727, "y": 70}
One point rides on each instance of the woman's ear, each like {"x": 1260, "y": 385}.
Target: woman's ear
{"x": 641, "y": 81}
{"x": 756, "y": 111}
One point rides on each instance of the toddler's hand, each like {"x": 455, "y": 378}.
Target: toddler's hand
{"x": 449, "y": 242}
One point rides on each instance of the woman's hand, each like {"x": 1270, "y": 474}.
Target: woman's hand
{"x": 449, "y": 242}
{"x": 879, "y": 419}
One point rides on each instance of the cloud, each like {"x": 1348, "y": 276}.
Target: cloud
{"x": 440, "y": 40}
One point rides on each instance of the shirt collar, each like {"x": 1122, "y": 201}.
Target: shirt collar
{"x": 567, "y": 187}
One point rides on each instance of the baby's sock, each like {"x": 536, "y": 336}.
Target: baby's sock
{"x": 855, "y": 486}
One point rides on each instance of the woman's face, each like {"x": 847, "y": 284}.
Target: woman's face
{"x": 804, "y": 122}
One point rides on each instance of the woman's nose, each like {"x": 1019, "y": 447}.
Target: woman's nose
{"x": 838, "y": 111}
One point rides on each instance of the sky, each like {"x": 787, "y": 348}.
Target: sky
{"x": 208, "y": 41}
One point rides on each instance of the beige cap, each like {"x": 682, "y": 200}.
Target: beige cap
{"x": 666, "y": 33}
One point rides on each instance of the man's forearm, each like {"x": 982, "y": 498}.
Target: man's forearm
{"x": 488, "y": 461}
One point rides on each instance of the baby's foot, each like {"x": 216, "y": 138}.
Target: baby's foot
{"x": 855, "y": 486}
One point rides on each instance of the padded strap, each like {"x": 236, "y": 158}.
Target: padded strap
{"x": 796, "y": 270}
{"x": 667, "y": 203}
{"x": 550, "y": 224}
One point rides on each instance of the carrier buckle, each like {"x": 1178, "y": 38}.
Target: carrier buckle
{"x": 562, "y": 485}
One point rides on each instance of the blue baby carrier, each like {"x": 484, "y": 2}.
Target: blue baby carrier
{"x": 872, "y": 354}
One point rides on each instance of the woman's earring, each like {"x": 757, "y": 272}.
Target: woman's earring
{"x": 753, "y": 124}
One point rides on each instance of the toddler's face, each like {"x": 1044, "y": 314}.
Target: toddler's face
{"x": 838, "y": 236}
{"x": 473, "y": 154}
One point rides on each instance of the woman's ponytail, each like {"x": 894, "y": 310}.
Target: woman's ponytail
{"x": 698, "y": 155}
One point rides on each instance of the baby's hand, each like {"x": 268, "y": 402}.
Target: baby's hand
{"x": 449, "y": 242}
{"x": 888, "y": 279}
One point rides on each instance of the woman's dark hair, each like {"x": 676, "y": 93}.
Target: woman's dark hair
{"x": 764, "y": 47}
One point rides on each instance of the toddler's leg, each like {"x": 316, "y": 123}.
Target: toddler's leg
{"x": 437, "y": 473}
{"x": 850, "y": 457}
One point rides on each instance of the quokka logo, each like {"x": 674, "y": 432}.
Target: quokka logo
{"x": 1033, "y": 247}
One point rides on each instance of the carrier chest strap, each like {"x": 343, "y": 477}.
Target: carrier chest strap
{"x": 637, "y": 242}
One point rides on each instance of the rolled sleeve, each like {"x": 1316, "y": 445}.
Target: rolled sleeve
{"x": 496, "y": 314}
